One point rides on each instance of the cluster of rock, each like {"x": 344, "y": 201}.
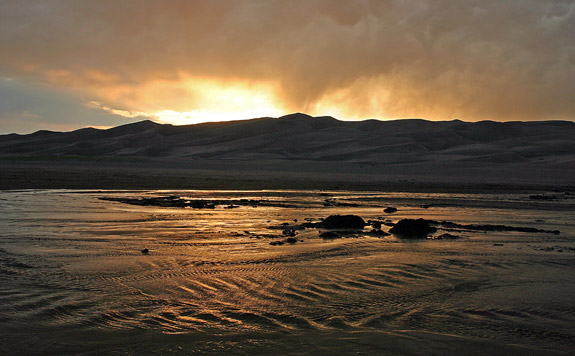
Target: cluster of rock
{"x": 339, "y": 226}
{"x": 174, "y": 201}
{"x": 487, "y": 227}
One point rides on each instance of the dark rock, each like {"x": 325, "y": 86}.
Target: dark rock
{"x": 270, "y": 236}
{"x": 145, "y": 251}
{"x": 389, "y": 210}
{"x": 276, "y": 243}
{"x": 542, "y": 197}
{"x": 375, "y": 223}
{"x": 487, "y": 227}
{"x": 201, "y": 204}
{"x": 333, "y": 202}
{"x": 173, "y": 201}
{"x": 329, "y": 235}
{"x": 412, "y": 228}
{"x": 344, "y": 222}
{"x": 378, "y": 232}
{"x": 447, "y": 236}
{"x": 291, "y": 240}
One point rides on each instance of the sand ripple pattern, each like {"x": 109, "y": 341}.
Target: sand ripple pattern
{"x": 86, "y": 270}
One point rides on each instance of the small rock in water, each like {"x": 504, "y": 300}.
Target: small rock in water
{"x": 447, "y": 236}
{"x": 378, "y": 232}
{"x": 145, "y": 251}
{"x": 375, "y": 223}
{"x": 344, "y": 222}
{"x": 412, "y": 229}
{"x": 389, "y": 210}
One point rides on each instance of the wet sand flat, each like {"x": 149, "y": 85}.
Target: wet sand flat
{"x": 74, "y": 279}
{"x": 130, "y": 173}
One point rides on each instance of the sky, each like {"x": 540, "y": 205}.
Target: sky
{"x": 66, "y": 64}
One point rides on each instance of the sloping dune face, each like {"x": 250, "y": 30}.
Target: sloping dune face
{"x": 301, "y": 137}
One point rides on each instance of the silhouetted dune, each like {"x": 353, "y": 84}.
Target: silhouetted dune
{"x": 302, "y": 137}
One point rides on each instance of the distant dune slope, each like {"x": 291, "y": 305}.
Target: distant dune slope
{"x": 302, "y": 137}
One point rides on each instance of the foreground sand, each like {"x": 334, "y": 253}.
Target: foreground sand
{"x": 73, "y": 279}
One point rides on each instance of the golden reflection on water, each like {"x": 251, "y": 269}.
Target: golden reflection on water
{"x": 79, "y": 262}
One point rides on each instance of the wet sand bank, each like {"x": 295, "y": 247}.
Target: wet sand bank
{"x": 149, "y": 174}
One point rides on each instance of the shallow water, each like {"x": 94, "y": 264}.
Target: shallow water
{"x": 73, "y": 279}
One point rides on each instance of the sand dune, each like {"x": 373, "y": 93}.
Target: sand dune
{"x": 298, "y": 145}
{"x": 302, "y": 137}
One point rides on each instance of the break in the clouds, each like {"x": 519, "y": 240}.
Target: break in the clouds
{"x": 440, "y": 59}
{"x": 27, "y": 107}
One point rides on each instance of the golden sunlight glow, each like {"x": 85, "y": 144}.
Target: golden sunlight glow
{"x": 193, "y": 100}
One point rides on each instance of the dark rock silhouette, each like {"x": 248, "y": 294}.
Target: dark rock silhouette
{"x": 376, "y": 224}
{"x": 446, "y": 236}
{"x": 487, "y": 227}
{"x": 413, "y": 229}
{"x": 178, "y": 202}
{"x": 343, "y": 222}
{"x": 390, "y": 210}
{"x": 332, "y": 202}
{"x": 377, "y": 233}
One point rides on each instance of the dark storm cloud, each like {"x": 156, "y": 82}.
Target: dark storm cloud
{"x": 502, "y": 60}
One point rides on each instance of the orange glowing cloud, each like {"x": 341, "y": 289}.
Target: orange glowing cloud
{"x": 186, "y": 61}
{"x": 191, "y": 100}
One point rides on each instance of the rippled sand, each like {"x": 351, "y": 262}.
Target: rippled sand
{"x": 73, "y": 279}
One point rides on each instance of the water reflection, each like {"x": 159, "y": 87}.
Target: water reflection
{"x": 69, "y": 259}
